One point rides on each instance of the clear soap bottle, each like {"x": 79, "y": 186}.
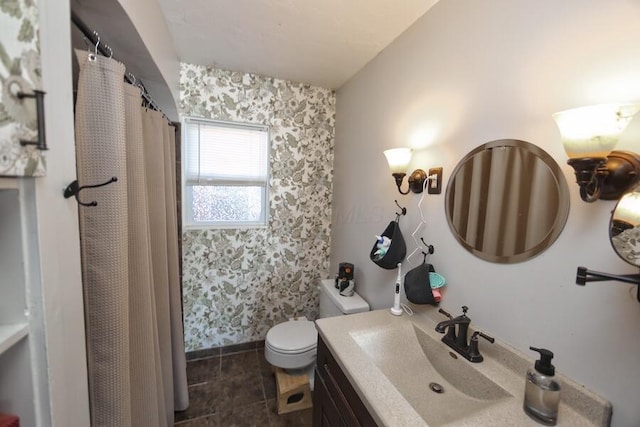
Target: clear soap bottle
{"x": 542, "y": 391}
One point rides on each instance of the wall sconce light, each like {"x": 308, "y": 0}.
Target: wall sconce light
{"x": 589, "y": 135}
{"x": 398, "y": 159}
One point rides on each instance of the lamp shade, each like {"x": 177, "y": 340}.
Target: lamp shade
{"x": 593, "y": 131}
{"x": 398, "y": 159}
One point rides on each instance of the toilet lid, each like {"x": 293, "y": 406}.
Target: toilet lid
{"x": 294, "y": 335}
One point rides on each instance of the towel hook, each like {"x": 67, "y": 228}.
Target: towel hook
{"x": 430, "y": 250}
{"x": 403, "y": 211}
{"x": 429, "y": 247}
{"x": 74, "y": 189}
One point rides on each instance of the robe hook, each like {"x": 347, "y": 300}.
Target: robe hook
{"x": 74, "y": 189}
{"x": 425, "y": 254}
{"x": 404, "y": 210}
{"x": 430, "y": 249}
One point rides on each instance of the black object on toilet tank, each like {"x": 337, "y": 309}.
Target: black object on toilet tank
{"x": 344, "y": 280}
{"x": 345, "y": 271}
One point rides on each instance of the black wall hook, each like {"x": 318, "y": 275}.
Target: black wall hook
{"x": 74, "y": 188}
{"x": 429, "y": 247}
{"x": 430, "y": 250}
{"x": 403, "y": 210}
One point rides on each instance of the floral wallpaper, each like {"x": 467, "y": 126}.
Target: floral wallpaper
{"x": 237, "y": 283}
{"x": 19, "y": 71}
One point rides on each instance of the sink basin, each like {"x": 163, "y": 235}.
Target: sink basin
{"x": 440, "y": 385}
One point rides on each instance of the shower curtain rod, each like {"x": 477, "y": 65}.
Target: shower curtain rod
{"x": 104, "y": 49}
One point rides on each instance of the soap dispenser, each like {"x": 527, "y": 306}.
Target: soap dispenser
{"x": 542, "y": 391}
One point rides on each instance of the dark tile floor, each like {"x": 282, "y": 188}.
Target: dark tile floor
{"x": 236, "y": 389}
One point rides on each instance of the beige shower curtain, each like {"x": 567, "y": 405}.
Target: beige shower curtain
{"x": 135, "y": 348}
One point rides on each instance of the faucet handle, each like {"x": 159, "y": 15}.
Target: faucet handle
{"x": 483, "y": 335}
{"x": 464, "y": 310}
{"x": 474, "y": 353}
{"x": 445, "y": 313}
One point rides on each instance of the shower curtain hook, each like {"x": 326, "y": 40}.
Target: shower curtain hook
{"x": 94, "y": 55}
{"x": 95, "y": 33}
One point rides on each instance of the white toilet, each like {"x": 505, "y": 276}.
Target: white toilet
{"x": 292, "y": 345}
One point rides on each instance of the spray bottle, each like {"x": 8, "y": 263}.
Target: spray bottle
{"x": 396, "y": 310}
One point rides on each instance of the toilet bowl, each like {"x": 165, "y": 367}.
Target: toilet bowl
{"x": 292, "y": 345}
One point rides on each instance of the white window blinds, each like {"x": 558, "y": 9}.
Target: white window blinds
{"x": 219, "y": 153}
{"x": 225, "y": 169}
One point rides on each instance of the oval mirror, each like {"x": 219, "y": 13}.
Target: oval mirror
{"x": 507, "y": 201}
{"x": 624, "y": 229}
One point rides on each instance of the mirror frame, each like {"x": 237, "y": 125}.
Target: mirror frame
{"x": 560, "y": 218}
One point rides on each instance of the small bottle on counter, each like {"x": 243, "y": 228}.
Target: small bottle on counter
{"x": 542, "y": 391}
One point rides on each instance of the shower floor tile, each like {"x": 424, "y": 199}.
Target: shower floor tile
{"x": 236, "y": 389}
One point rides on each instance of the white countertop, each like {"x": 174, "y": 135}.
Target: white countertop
{"x": 354, "y": 340}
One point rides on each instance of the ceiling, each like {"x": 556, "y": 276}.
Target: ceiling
{"x": 323, "y": 43}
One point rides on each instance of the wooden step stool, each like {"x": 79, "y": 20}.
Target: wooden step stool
{"x": 294, "y": 392}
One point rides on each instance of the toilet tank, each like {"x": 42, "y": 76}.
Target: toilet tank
{"x": 333, "y": 304}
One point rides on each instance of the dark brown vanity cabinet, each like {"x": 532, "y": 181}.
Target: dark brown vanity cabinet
{"x": 335, "y": 402}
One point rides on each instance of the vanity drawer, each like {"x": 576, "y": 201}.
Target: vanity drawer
{"x": 341, "y": 394}
{"x": 325, "y": 409}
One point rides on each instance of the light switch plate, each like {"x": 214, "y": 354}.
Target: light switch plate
{"x": 435, "y": 186}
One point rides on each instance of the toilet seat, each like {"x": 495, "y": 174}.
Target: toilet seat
{"x": 294, "y": 336}
{"x": 292, "y": 344}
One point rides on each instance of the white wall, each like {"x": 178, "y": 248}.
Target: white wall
{"x": 58, "y": 227}
{"x": 150, "y": 23}
{"x": 466, "y": 73}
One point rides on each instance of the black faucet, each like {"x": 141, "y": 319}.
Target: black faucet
{"x": 458, "y": 341}
{"x": 463, "y": 326}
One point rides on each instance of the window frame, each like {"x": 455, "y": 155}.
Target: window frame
{"x": 187, "y": 189}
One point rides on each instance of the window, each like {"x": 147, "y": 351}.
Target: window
{"x": 225, "y": 174}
